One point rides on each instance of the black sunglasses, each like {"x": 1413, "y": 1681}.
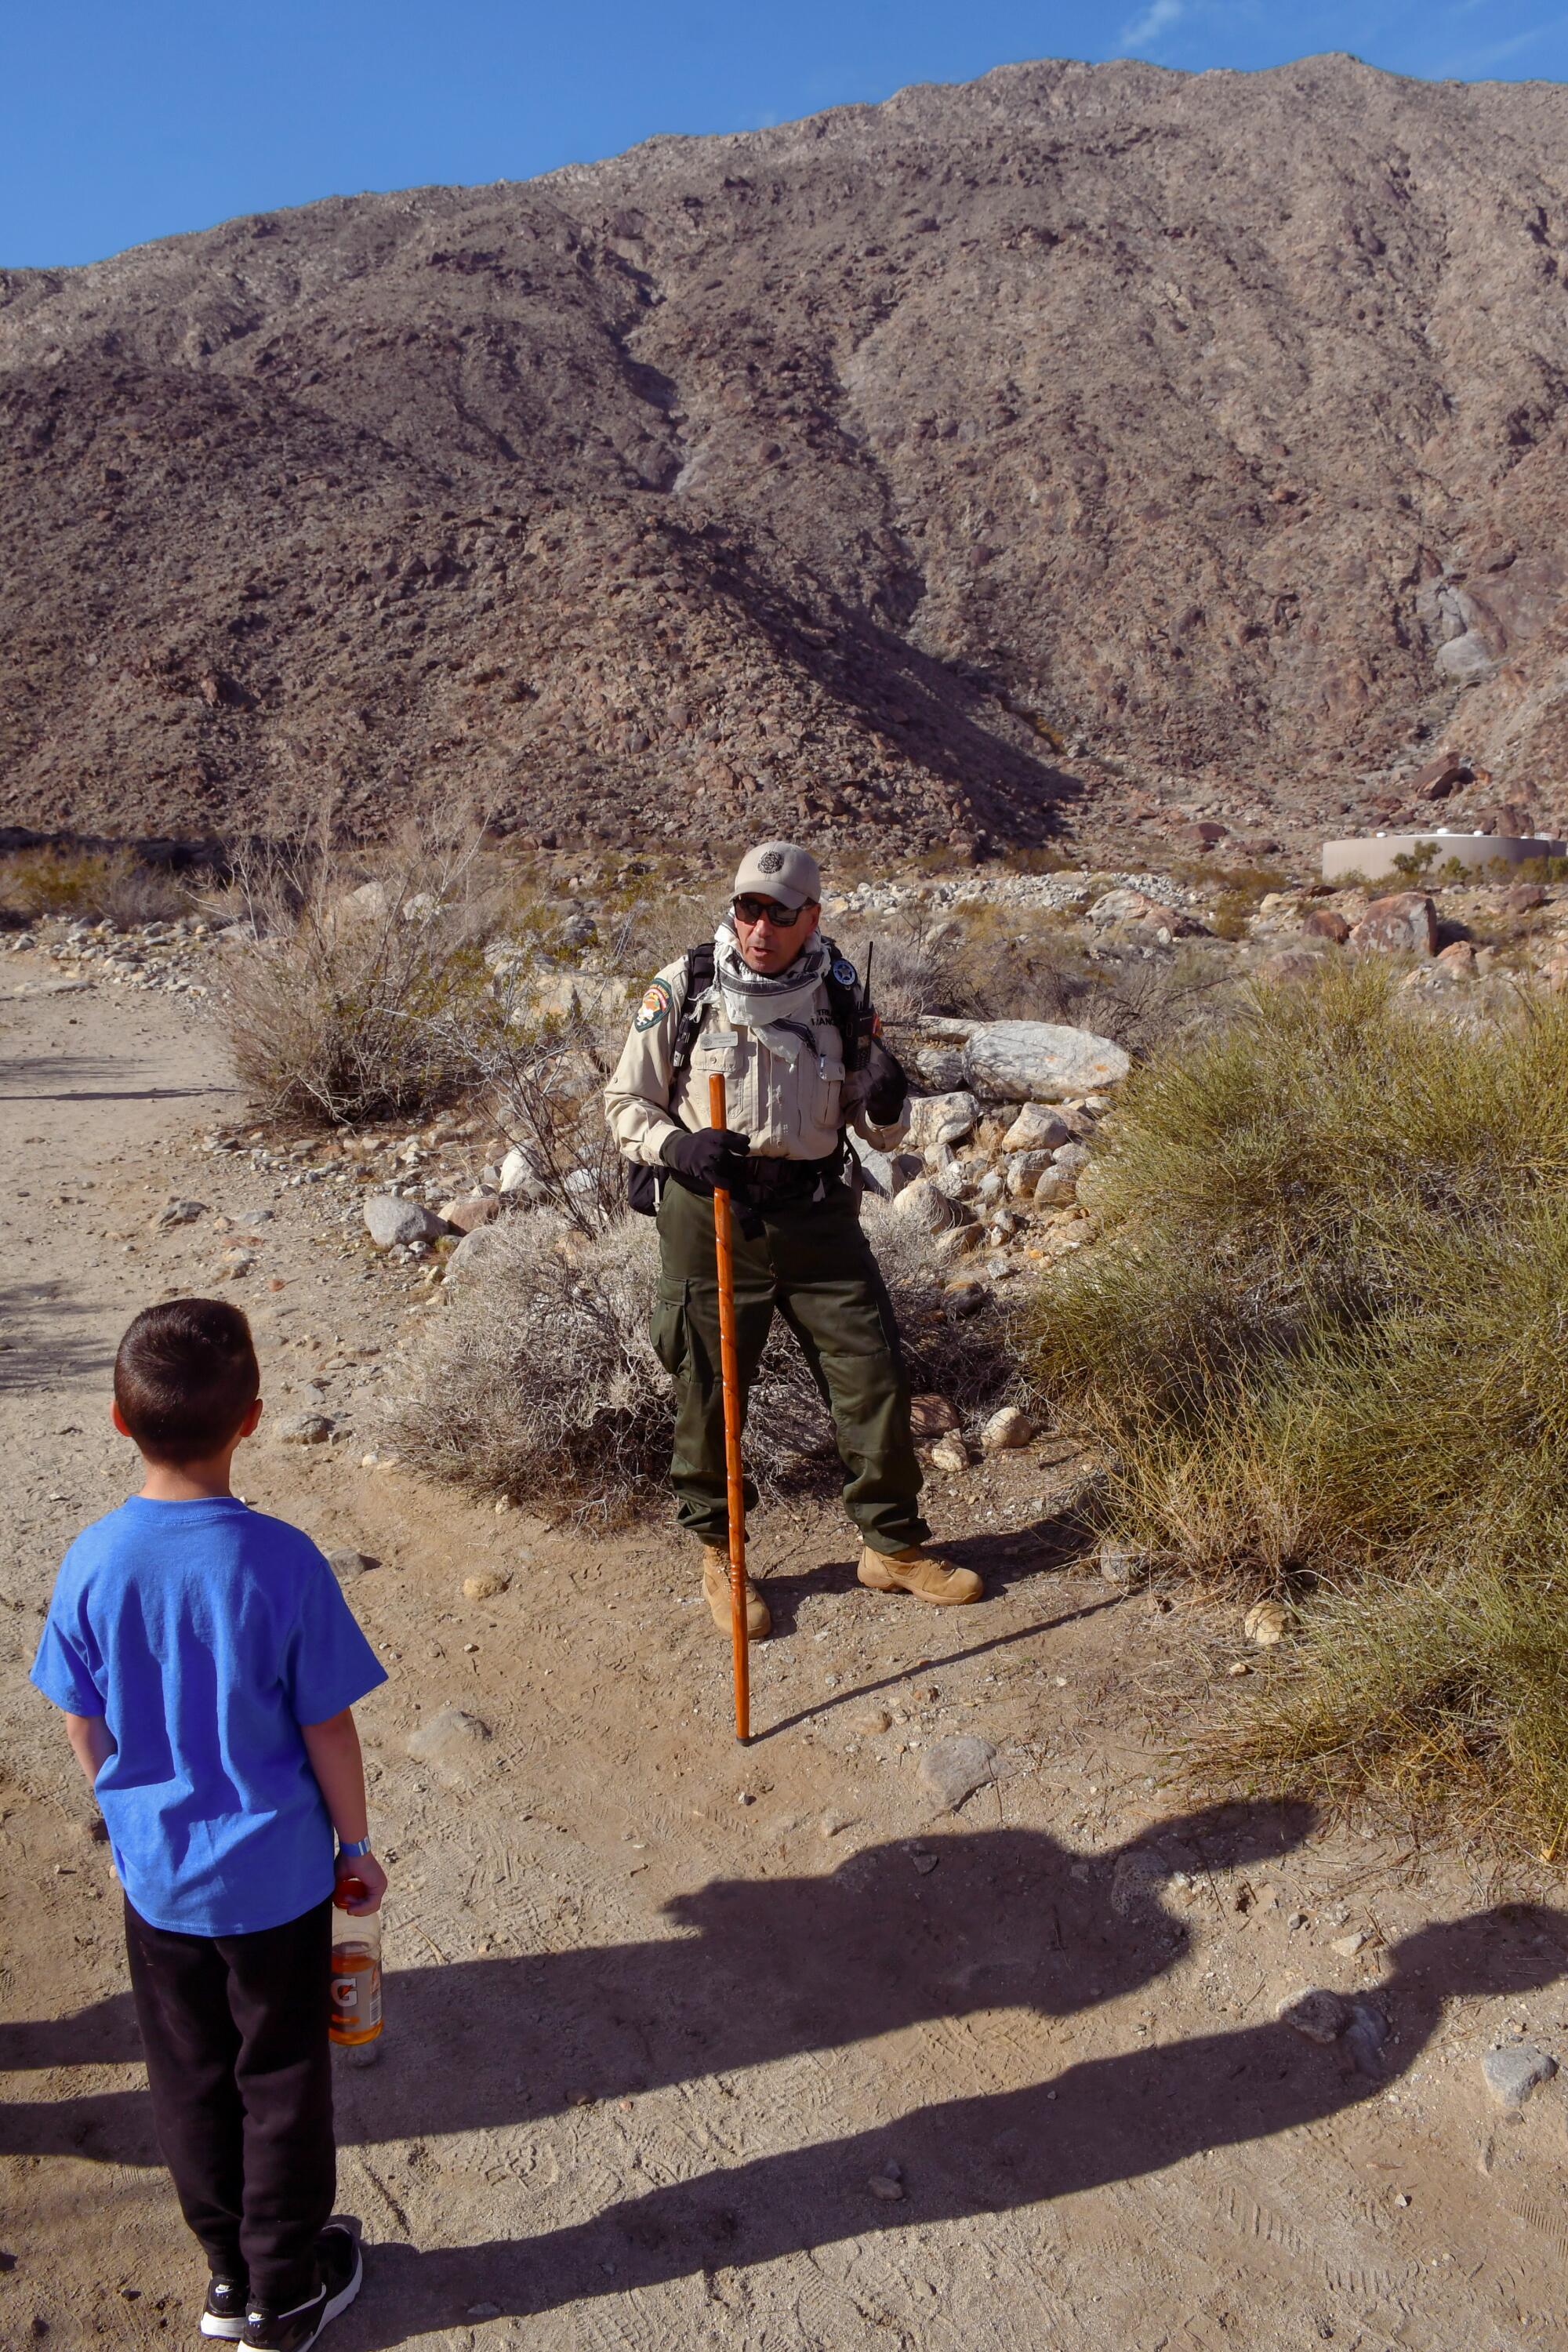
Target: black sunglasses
{"x": 783, "y": 919}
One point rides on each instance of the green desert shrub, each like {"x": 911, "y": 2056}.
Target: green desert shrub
{"x": 1322, "y": 1340}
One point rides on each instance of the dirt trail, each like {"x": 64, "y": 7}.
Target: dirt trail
{"x": 692, "y": 2046}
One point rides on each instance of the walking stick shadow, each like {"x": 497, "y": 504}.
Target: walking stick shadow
{"x": 1106, "y": 2120}
{"x": 766, "y": 1969}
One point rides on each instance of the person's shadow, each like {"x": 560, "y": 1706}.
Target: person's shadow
{"x": 1108, "y": 2119}
{"x": 774, "y": 1968}
{"x": 770, "y": 1968}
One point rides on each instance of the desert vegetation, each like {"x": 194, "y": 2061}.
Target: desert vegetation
{"x": 542, "y": 1383}
{"x": 1323, "y": 1342}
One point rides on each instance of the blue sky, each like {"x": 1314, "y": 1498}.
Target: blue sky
{"x": 129, "y": 122}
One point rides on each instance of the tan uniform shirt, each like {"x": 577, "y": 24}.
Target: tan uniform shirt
{"x": 790, "y": 1111}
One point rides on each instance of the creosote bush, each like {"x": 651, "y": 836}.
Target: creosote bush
{"x": 541, "y": 1382}
{"x": 1323, "y": 1342}
{"x": 94, "y": 886}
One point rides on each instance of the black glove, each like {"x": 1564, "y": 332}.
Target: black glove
{"x": 713, "y": 1160}
{"x": 886, "y": 1087}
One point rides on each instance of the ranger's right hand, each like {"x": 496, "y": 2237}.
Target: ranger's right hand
{"x": 714, "y": 1159}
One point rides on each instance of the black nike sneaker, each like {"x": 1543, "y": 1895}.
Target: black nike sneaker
{"x": 339, "y": 2272}
{"x": 223, "y": 2314}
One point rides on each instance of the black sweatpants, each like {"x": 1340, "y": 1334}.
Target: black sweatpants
{"x": 239, "y": 2066}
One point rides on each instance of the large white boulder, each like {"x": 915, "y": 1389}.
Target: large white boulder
{"x": 941, "y": 1119}
{"x": 1039, "y": 1060}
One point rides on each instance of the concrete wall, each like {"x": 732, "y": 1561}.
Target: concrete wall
{"x": 1374, "y": 855}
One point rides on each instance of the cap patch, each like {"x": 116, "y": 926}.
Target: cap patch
{"x": 655, "y": 1003}
{"x": 771, "y": 861}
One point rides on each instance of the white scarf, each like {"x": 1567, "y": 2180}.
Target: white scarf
{"x": 775, "y": 1006}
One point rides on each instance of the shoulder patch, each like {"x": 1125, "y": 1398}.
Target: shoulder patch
{"x": 845, "y": 973}
{"x": 654, "y": 1006}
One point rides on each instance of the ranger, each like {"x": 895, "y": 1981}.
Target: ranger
{"x": 771, "y": 1005}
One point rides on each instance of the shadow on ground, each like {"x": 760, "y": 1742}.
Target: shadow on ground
{"x": 771, "y": 1967}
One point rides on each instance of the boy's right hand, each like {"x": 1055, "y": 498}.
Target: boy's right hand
{"x": 365, "y": 1868}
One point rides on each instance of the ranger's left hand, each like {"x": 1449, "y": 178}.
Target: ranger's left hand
{"x": 880, "y": 1088}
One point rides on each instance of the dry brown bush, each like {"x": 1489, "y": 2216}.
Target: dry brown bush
{"x": 94, "y": 886}
{"x": 542, "y": 1383}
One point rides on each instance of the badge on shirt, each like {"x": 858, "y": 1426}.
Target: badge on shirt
{"x": 845, "y": 973}
{"x": 654, "y": 1006}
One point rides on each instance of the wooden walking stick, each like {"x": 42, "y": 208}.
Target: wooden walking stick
{"x": 730, "y": 1376}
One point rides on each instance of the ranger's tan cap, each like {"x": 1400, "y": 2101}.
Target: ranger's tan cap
{"x": 781, "y": 870}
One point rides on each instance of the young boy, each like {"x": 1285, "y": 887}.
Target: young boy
{"x": 207, "y": 1664}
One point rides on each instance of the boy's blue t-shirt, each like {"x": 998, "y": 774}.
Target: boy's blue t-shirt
{"x": 206, "y": 1633}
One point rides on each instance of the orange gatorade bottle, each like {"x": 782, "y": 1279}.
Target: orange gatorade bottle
{"x": 357, "y": 1972}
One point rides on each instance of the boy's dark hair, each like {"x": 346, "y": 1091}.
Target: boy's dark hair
{"x": 186, "y": 1375}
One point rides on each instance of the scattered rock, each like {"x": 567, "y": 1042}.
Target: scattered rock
{"x": 1405, "y": 922}
{"x": 1523, "y": 899}
{"x": 466, "y": 1215}
{"x": 888, "y": 1172}
{"x": 467, "y": 1259}
{"x": 1056, "y": 1190}
{"x": 449, "y": 1742}
{"x": 1006, "y": 1430}
{"x": 303, "y": 1428}
{"x": 1367, "y": 2036}
{"x": 1038, "y": 1061}
{"x": 1038, "y": 1128}
{"x": 941, "y": 1119}
{"x": 960, "y": 1242}
{"x": 1326, "y": 923}
{"x": 941, "y": 1067}
{"x": 1458, "y": 957}
{"x": 1120, "y": 1566}
{"x": 391, "y": 1222}
{"x": 1511, "y": 2074}
{"x": 1349, "y": 1945}
{"x": 1264, "y": 1622}
{"x": 926, "y": 1207}
{"x": 881, "y": 2184}
{"x": 949, "y": 1453}
{"x": 955, "y": 1768}
{"x": 1319, "y": 2016}
{"x": 486, "y": 1584}
{"x": 179, "y": 1213}
{"x": 345, "y": 1564}
{"x": 930, "y": 1416}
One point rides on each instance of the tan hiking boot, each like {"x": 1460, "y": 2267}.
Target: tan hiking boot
{"x": 716, "y": 1591}
{"x": 924, "y": 1573}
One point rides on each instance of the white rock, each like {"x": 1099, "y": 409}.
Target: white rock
{"x": 888, "y": 1172}
{"x": 390, "y": 1221}
{"x": 1070, "y": 1157}
{"x": 953, "y": 1768}
{"x": 1006, "y": 1430}
{"x": 515, "y": 1175}
{"x": 949, "y": 1453}
{"x": 180, "y": 1213}
{"x": 1039, "y": 1060}
{"x": 1055, "y": 1190}
{"x": 1024, "y": 1170}
{"x": 925, "y": 1207}
{"x": 468, "y": 1259}
{"x": 942, "y": 1118}
{"x": 1038, "y": 1128}
{"x": 1265, "y": 1621}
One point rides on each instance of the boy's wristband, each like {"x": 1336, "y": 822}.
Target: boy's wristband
{"x": 355, "y": 1852}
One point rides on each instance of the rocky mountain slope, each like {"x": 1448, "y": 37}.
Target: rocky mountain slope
{"x": 1083, "y": 451}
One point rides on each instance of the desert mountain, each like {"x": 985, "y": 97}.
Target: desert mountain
{"x": 1082, "y": 449}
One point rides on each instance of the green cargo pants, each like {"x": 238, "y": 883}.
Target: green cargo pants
{"x": 811, "y": 1261}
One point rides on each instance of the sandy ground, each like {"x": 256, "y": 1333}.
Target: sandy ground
{"x": 695, "y": 2046}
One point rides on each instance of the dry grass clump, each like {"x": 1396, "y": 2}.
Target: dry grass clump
{"x": 338, "y": 1003}
{"x": 542, "y": 1383}
{"x": 1323, "y": 1340}
{"x": 93, "y": 885}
